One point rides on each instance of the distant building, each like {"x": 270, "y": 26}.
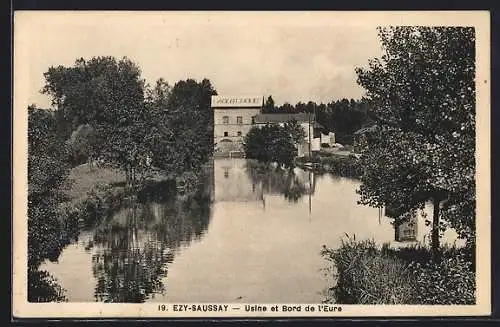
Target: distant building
{"x": 233, "y": 119}
{"x": 303, "y": 119}
{"x": 328, "y": 139}
{"x": 234, "y": 116}
{"x": 307, "y": 121}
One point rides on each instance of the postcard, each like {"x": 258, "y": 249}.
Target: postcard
{"x": 251, "y": 164}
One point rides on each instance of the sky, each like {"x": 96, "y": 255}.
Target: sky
{"x": 290, "y": 56}
{"x": 293, "y": 56}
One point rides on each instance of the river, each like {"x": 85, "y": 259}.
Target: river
{"x": 256, "y": 238}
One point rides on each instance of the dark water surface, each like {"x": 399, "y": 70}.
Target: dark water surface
{"x": 254, "y": 237}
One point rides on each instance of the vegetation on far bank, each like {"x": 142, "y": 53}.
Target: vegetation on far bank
{"x": 341, "y": 165}
{"x": 274, "y": 143}
{"x": 343, "y": 117}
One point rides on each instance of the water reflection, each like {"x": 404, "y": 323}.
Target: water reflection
{"x": 219, "y": 245}
{"x": 248, "y": 180}
{"x": 131, "y": 250}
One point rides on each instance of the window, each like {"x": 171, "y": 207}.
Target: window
{"x": 239, "y": 120}
{"x": 226, "y": 134}
{"x": 239, "y": 133}
{"x": 225, "y": 120}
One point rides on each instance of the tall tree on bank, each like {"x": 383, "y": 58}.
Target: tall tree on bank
{"x": 186, "y": 127}
{"x": 47, "y": 175}
{"x": 107, "y": 95}
{"x": 422, "y": 93}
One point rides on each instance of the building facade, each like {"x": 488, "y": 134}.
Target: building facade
{"x": 234, "y": 116}
{"x": 233, "y": 119}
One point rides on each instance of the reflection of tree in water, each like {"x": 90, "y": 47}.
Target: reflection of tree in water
{"x": 134, "y": 247}
{"x": 294, "y": 188}
{"x": 277, "y": 180}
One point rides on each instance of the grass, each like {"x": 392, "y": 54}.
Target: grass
{"x": 85, "y": 180}
{"x": 368, "y": 274}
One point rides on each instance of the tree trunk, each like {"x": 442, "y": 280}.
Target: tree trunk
{"x": 435, "y": 230}
{"x": 127, "y": 177}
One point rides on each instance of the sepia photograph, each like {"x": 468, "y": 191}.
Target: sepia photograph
{"x": 251, "y": 164}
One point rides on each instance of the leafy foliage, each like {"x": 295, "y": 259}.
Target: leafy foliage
{"x": 295, "y": 131}
{"x": 367, "y": 274}
{"x": 42, "y": 287}
{"x": 133, "y": 122}
{"x": 84, "y": 144}
{"x": 108, "y": 95}
{"x": 343, "y": 117}
{"x": 272, "y": 143}
{"x": 47, "y": 176}
{"x": 183, "y": 131}
{"x": 423, "y": 99}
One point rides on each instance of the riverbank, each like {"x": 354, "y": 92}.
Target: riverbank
{"x": 343, "y": 164}
{"x": 99, "y": 194}
{"x": 368, "y": 274}
{"x": 90, "y": 195}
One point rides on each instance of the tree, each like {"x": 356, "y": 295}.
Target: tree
{"x": 107, "y": 94}
{"x": 158, "y": 96}
{"x": 295, "y": 131}
{"x": 84, "y": 143}
{"x": 255, "y": 145}
{"x": 423, "y": 96}
{"x": 269, "y": 106}
{"x": 47, "y": 175}
{"x": 270, "y": 143}
{"x": 185, "y": 126}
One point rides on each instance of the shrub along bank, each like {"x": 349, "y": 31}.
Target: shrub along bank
{"x": 345, "y": 166}
{"x": 367, "y": 274}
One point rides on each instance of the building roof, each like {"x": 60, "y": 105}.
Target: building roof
{"x": 283, "y": 118}
{"x": 318, "y": 126}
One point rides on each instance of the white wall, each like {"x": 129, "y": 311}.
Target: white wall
{"x": 232, "y": 128}
{"x": 449, "y": 237}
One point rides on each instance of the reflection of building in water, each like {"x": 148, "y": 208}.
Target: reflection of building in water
{"x": 232, "y": 183}
{"x": 307, "y": 178}
{"x": 245, "y": 180}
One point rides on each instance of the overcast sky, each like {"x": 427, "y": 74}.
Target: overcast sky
{"x": 292, "y": 56}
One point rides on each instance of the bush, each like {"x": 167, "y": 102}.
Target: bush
{"x": 347, "y": 167}
{"x": 271, "y": 143}
{"x": 43, "y": 287}
{"x": 450, "y": 281}
{"x": 367, "y": 274}
{"x": 366, "y": 277}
